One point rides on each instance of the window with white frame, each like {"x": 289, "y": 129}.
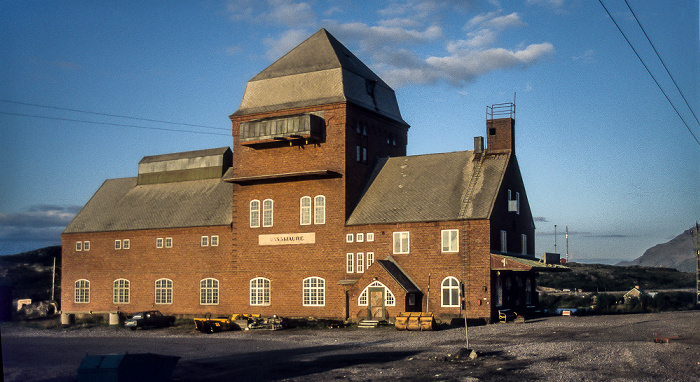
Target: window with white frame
{"x": 209, "y": 292}
{"x": 389, "y": 299}
{"x": 349, "y": 238}
{"x": 400, "y": 242}
{"x": 78, "y": 246}
{"x": 254, "y": 213}
{"x": 314, "y": 291}
{"x": 370, "y": 236}
{"x": 164, "y": 291}
{"x": 120, "y": 293}
{"x": 86, "y": 245}
{"x": 523, "y": 243}
{"x": 267, "y": 213}
{"x": 349, "y": 261}
{"x": 117, "y": 244}
{"x": 305, "y": 210}
{"x": 360, "y": 262}
{"x": 159, "y": 242}
{"x": 450, "y": 292}
{"x": 370, "y": 259}
{"x": 126, "y": 244}
{"x": 450, "y": 240}
{"x": 214, "y": 241}
{"x": 82, "y": 291}
{"x": 320, "y": 209}
{"x": 168, "y": 242}
{"x": 260, "y": 291}
{"x": 504, "y": 241}
{"x": 360, "y": 237}
{"x": 204, "y": 241}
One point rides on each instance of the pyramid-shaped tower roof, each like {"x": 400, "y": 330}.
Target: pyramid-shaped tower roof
{"x": 318, "y": 71}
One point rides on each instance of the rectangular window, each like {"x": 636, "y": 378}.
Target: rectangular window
{"x": 504, "y": 241}
{"x": 359, "y": 153}
{"x": 360, "y": 262}
{"x": 370, "y": 236}
{"x": 159, "y": 242}
{"x": 254, "y": 214}
{"x": 523, "y": 243}
{"x": 168, "y": 242}
{"x": 450, "y": 240}
{"x": 360, "y": 237}
{"x": 400, "y": 242}
{"x": 117, "y": 244}
{"x": 214, "y": 241}
{"x": 305, "y": 210}
{"x": 78, "y": 246}
{"x": 267, "y": 212}
{"x": 204, "y": 242}
{"x": 320, "y": 210}
{"x": 517, "y": 200}
{"x": 370, "y": 259}
{"x": 364, "y": 155}
{"x": 349, "y": 238}
{"x": 126, "y": 244}
{"x": 350, "y": 262}
{"x": 86, "y": 245}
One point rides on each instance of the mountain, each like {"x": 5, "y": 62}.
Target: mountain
{"x": 30, "y": 273}
{"x": 678, "y": 253}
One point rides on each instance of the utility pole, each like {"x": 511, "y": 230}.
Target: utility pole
{"x": 567, "y": 243}
{"x": 555, "y": 239}
{"x": 53, "y": 280}
{"x": 696, "y": 236}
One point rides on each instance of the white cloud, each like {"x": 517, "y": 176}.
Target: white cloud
{"x": 277, "y": 47}
{"x": 495, "y": 20}
{"x": 290, "y": 13}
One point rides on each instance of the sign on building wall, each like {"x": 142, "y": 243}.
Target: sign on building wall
{"x": 287, "y": 238}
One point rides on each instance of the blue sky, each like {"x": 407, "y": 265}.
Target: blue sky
{"x": 600, "y": 148}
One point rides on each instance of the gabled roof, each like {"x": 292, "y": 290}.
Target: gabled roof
{"x": 398, "y": 275}
{"x": 434, "y": 187}
{"x": 122, "y": 205}
{"x": 318, "y": 71}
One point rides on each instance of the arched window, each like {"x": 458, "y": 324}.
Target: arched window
{"x": 305, "y": 210}
{"x": 320, "y": 209}
{"x": 209, "y": 292}
{"x": 82, "y": 291}
{"x": 389, "y": 299}
{"x": 254, "y": 213}
{"x": 120, "y": 293}
{"x": 450, "y": 292}
{"x": 314, "y": 291}
{"x": 164, "y": 291}
{"x": 260, "y": 291}
{"x": 267, "y": 213}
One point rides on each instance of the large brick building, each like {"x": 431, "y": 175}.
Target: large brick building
{"x": 316, "y": 212}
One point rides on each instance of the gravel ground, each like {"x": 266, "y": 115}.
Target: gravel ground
{"x": 618, "y": 348}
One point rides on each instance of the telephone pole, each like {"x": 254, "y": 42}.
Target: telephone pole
{"x": 696, "y": 236}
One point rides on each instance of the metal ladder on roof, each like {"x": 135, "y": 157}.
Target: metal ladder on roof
{"x": 469, "y": 191}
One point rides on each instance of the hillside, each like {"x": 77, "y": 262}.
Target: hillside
{"x": 602, "y": 278}
{"x": 30, "y": 273}
{"x": 678, "y": 253}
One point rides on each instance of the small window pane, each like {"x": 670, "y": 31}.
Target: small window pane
{"x": 78, "y": 246}
{"x": 126, "y": 244}
{"x": 305, "y": 210}
{"x": 117, "y": 244}
{"x": 86, "y": 246}
{"x": 204, "y": 241}
{"x": 320, "y": 210}
{"x": 214, "y": 241}
{"x": 168, "y": 242}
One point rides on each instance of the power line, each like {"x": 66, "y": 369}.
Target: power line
{"x": 649, "y": 71}
{"x": 112, "y": 124}
{"x": 112, "y": 115}
{"x": 662, "y": 62}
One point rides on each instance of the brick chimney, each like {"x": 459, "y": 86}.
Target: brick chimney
{"x": 500, "y": 132}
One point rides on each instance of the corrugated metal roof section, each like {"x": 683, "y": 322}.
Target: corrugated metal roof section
{"x": 318, "y": 71}
{"x": 219, "y": 151}
{"x": 122, "y": 205}
{"x": 431, "y": 188}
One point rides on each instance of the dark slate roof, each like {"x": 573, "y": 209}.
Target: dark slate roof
{"x": 399, "y": 275}
{"x": 121, "y": 204}
{"x": 318, "y": 71}
{"x": 434, "y": 187}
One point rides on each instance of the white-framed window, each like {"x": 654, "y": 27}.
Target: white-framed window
{"x": 214, "y": 240}
{"x": 370, "y": 259}
{"x": 204, "y": 241}
{"x": 450, "y": 240}
{"x": 389, "y": 299}
{"x": 267, "y": 213}
{"x": 86, "y": 245}
{"x": 450, "y": 292}
{"x": 314, "y": 291}
{"x": 504, "y": 241}
{"x": 360, "y": 237}
{"x": 120, "y": 293}
{"x": 260, "y": 291}
{"x": 159, "y": 242}
{"x": 401, "y": 242}
{"x": 168, "y": 242}
{"x": 126, "y": 244}
{"x": 360, "y": 262}
{"x": 320, "y": 209}
{"x": 164, "y": 291}
{"x": 78, "y": 246}
{"x": 82, "y": 291}
{"x": 209, "y": 292}
{"x": 254, "y": 213}
{"x": 305, "y": 210}
{"x": 349, "y": 238}
{"x": 349, "y": 261}
{"x": 523, "y": 243}
{"x": 117, "y": 244}
{"x": 370, "y": 236}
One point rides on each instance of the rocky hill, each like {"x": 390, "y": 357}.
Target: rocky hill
{"x": 678, "y": 253}
{"x": 30, "y": 273}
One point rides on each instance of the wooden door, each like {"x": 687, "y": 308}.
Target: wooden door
{"x": 376, "y": 309}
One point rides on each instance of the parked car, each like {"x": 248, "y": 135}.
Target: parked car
{"x": 149, "y": 319}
